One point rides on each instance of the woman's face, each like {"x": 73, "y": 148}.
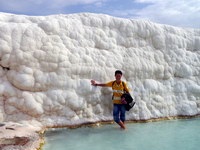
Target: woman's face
{"x": 118, "y": 77}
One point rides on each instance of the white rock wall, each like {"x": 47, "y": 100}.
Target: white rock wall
{"x": 47, "y": 62}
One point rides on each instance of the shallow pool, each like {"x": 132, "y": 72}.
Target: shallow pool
{"x": 163, "y": 135}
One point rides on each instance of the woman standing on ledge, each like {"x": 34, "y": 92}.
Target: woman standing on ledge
{"x": 119, "y": 87}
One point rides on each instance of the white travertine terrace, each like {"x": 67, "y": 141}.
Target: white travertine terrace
{"x": 47, "y": 62}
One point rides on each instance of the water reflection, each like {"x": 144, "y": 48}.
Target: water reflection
{"x": 163, "y": 135}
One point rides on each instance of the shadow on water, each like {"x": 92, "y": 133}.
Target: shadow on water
{"x": 162, "y": 135}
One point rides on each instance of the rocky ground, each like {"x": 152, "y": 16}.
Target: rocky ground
{"x": 15, "y": 136}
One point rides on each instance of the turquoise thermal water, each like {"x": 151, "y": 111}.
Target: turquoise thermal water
{"x": 163, "y": 135}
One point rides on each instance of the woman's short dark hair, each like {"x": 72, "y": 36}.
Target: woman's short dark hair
{"x": 118, "y": 72}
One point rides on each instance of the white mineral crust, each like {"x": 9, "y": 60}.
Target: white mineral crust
{"x": 47, "y": 62}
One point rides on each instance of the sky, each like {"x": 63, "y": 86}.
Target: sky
{"x": 181, "y": 13}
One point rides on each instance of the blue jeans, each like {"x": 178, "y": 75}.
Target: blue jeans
{"x": 119, "y": 112}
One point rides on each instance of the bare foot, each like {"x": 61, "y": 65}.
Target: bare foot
{"x": 121, "y": 124}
